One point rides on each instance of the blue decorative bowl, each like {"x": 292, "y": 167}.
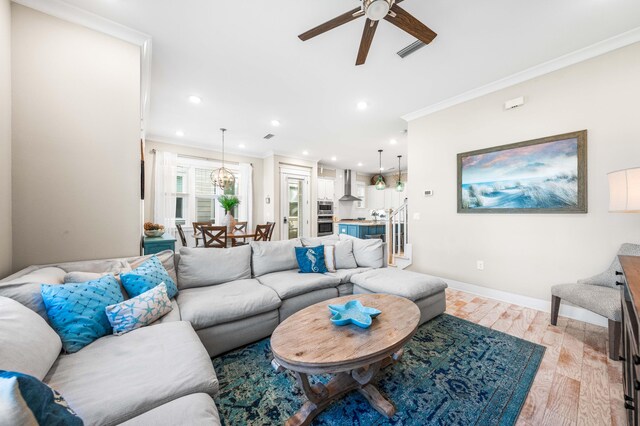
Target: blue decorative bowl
{"x": 353, "y": 312}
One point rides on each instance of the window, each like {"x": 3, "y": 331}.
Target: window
{"x": 196, "y": 196}
{"x": 361, "y": 192}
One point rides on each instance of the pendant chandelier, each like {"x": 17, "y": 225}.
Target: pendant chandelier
{"x": 400, "y": 183}
{"x": 222, "y": 177}
{"x": 380, "y": 184}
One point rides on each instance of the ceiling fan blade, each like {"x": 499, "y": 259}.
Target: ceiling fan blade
{"x": 367, "y": 37}
{"x": 334, "y": 23}
{"x": 406, "y": 22}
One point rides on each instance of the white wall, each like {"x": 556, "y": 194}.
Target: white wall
{"x": 526, "y": 254}
{"x": 5, "y": 138}
{"x": 76, "y": 155}
{"x": 258, "y": 187}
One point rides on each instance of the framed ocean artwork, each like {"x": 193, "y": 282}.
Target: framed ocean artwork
{"x": 547, "y": 175}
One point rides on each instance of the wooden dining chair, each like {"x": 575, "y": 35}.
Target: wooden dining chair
{"x": 262, "y": 233}
{"x": 183, "y": 239}
{"x": 240, "y": 228}
{"x": 273, "y": 226}
{"x": 214, "y": 236}
{"x": 197, "y": 233}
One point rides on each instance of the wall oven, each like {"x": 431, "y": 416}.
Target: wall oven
{"x": 325, "y": 226}
{"x": 325, "y": 208}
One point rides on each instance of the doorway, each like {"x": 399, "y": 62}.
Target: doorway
{"x": 295, "y": 208}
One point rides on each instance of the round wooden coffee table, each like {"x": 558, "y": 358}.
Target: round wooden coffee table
{"x": 308, "y": 343}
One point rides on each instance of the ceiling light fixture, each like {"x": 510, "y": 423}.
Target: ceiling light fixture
{"x": 376, "y": 9}
{"x": 400, "y": 183}
{"x": 380, "y": 183}
{"x": 393, "y": 141}
{"x": 305, "y": 152}
{"x": 222, "y": 177}
{"x": 334, "y": 158}
{"x": 242, "y": 146}
{"x": 362, "y": 105}
{"x": 195, "y": 99}
{"x": 179, "y": 133}
{"x": 359, "y": 164}
{"x": 275, "y": 123}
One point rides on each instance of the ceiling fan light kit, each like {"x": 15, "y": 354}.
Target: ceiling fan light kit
{"x": 375, "y": 11}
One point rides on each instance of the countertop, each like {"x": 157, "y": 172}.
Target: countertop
{"x": 363, "y": 222}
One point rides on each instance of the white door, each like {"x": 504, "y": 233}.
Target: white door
{"x": 295, "y": 208}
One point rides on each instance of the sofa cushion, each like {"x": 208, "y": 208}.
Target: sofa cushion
{"x": 274, "y": 256}
{"x": 173, "y": 315}
{"x": 207, "y": 306}
{"x": 27, "y": 401}
{"x": 368, "y": 253}
{"x": 197, "y": 409}
{"x": 199, "y": 267}
{"x": 27, "y": 343}
{"x": 346, "y": 274}
{"x": 345, "y": 258}
{"x": 291, "y": 283}
{"x": 147, "y": 276}
{"x": 139, "y": 311}
{"x": 327, "y": 240}
{"x": 26, "y": 288}
{"x": 77, "y": 311}
{"x": 411, "y": 285}
{"x": 117, "y": 378}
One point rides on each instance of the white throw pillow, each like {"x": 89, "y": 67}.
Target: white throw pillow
{"x": 344, "y": 256}
{"x": 139, "y": 311}
{"x": 330, "y": 258}
{"x": 27, "y": 344}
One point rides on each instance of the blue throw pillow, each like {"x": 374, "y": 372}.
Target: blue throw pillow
{"x": 140, "y": 311}
{"x": 26, "y": 400}
{"x": 147, "y": 276}
{"x": 76, "y": 311}
{"x": 311, "y": 259}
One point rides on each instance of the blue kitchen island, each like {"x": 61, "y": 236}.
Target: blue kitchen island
{"x": 362, "y": 228}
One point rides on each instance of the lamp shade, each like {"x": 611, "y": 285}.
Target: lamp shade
{"x": 624, "y": 191}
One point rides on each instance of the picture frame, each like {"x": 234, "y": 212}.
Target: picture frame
{"x": 546, "y": 175}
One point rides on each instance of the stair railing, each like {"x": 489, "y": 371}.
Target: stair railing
{"x": 397, "y": 235}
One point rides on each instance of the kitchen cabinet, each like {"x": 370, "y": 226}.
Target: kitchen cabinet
{"x": 362, "y": 230}
{"x": 326, "y": 189}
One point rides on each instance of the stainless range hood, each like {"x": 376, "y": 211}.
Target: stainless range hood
{"x": 347, "y": 188}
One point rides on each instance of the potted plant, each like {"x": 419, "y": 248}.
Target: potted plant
{"x": 228, "y": 202}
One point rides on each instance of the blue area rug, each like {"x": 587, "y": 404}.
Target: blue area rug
{"x": 453, "y": 372}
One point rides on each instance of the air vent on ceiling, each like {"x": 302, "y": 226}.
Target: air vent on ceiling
{"x": 413, "y": 47}
{"x": 269, "y": 136}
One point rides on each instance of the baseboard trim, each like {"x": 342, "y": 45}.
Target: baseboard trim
{"x": 566, "y": 310}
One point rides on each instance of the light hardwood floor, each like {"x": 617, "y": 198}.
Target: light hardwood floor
{"x": 576, "y": 384}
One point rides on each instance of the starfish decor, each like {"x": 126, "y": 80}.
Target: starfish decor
{"x": 353, "y": 312}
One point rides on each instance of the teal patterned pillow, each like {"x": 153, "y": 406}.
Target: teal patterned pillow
{"x": 76, "y": 311}
{"x": 147, "y": 276}
{"x": 27, "y": 401}
{"x": 140, "y": 311}
{"x": 311, "y": 259}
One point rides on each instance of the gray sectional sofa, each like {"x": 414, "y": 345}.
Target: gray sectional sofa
{"x": 162, "y": 374}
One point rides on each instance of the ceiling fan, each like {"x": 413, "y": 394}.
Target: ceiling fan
{"x": 375, "y": 10}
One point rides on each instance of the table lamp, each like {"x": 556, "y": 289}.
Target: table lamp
{"x": 624, "y": 191}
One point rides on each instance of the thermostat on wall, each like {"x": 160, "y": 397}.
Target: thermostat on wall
{"x": 428, "y": 192}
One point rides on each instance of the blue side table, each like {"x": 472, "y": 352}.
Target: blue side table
{"x": 154, "y": 245}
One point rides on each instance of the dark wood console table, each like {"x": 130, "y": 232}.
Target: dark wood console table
{"x": 630, "y": 351}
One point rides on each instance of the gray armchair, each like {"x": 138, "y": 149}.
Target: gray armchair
{"x": 598, "y": 294}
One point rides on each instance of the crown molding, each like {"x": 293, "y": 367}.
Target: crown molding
{"x": 597, "y": 49}
{"x": 195, "y": 145}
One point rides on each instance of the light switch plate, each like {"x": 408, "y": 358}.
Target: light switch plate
{"x": 428, "y": 192}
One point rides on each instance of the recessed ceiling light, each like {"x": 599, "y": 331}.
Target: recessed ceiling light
{"x": 362, "y": 105}
{"x": 382, "y": 169}
{"x": 334, "y": 158}
{"x": 393, "y": 141}
{"x": 195, "y": 99}
{"x": 179, "y": 133}
{"x": 305, "y": 152}
{"x": 242, "y": 146}
{"x": 275, "y": 123}
{"x": 359, "y": 164}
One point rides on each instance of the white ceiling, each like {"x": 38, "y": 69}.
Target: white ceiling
{"x": 244, "y": 59}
